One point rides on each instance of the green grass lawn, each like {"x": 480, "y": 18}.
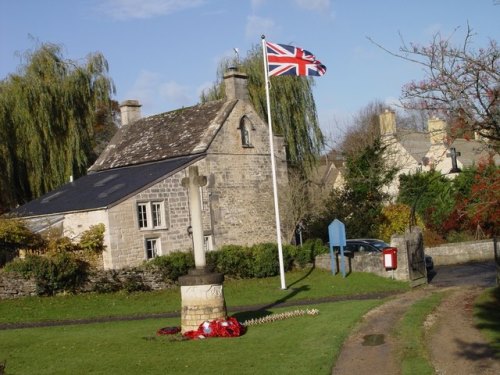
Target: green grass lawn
{"x": 301, "y": 345}
{"x": 487, "y": 317}
{"x": 301, "y": 285}
{"x": 414, "y": 356}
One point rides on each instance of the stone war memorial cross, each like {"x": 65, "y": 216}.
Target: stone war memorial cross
{"x": 201, "y": 290}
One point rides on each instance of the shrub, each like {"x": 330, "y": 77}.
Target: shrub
{"x": 432, "y": 238}
{"x": 305, "y": 254}
{"x": 52, "y": 274}
{"x": 93, "y": 239}
{"x": 212, "y": 258}
{"x": 288, "y": 256}
{"x": 265, "y": 261}
{"x": 395, "y": 220}
{"x": 235, "y": 261}
{"x": 462, "y": 236}
{"x": 173, "y": 265}
{"x": 59, "y": 245}
{"x": 15, "y": 235}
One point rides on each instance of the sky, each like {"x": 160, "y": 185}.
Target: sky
{"x": 165, "y": 52}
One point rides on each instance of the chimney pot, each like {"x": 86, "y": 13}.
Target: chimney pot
{"x": 130, "y": 111}
{"x": 387, "y": 122}
{"x": 236, "y": 84}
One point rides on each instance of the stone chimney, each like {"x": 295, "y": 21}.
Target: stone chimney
{"x": 130, "y": 111}
{"x": 437, "y": 130}
{"x": 236, "y": 85}
{"x": 387, "y": 122}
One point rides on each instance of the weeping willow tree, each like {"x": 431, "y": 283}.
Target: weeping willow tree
{"x": 293, "y": 109}
{"x": 47, "y": 113}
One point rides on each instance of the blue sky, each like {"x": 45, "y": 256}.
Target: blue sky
{"x": 164, "y": 52}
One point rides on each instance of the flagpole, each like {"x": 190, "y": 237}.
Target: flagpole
{"x": 273, "y": 168}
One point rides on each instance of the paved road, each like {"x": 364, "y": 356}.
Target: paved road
{"x": 471, "y": 274}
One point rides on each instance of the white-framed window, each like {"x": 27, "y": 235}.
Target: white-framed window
{"x": 152, "y": 247}
{"x": 156, "y": 214}
{"x": 142, "y": 215}
{"x": 151, "y": 215}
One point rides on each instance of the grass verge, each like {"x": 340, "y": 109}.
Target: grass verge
{"x": 302, "y": 345}
{"x": 306, "y": 284}
{"x": 487, "y": 317}
{"x": 414, "y": 356}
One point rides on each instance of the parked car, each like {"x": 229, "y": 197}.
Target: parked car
{"x": 372, "y": 245}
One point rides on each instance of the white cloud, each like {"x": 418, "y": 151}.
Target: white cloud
{"x": 157, "y": 96}
{"x": 257, "y": 3}
{"x": 129, "y": 9}
{"x": 256, "y": 26}
{"x": 316, "y": 5}
{"x": 144, "y": 89}
{"x": 175, "y": 94}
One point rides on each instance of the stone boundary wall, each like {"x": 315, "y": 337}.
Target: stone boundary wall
{"x": 453, "y": 253}
{"x": 369, "y": 262}
{"x": 463, "y": 252}
{"x": 13, "y": 285}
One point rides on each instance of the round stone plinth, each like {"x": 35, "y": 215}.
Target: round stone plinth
{"x": 202, "y": 300}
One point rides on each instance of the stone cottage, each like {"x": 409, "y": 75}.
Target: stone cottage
{"x": 411, "y": 151}
{"x": 135, "y": 189}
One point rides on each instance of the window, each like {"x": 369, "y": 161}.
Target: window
{"x": 156, "y": 213}
{"x": 152, "y": 248}
{"x": 142, "y": 215}
{"x": 151, "y": 215}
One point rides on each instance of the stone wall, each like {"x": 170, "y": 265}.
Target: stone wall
{"x": 463, "y": 252}
{"x": 13, "y": 285}
{"x": 455, "y": 253}
{"x": 361, "y": 262}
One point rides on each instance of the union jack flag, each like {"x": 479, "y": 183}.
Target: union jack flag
{"x": 289, "y": 60}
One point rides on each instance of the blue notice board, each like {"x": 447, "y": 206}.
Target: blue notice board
{"x": 337, "y": 237}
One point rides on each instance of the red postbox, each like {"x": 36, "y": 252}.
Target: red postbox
{"x": 390, "y": 257}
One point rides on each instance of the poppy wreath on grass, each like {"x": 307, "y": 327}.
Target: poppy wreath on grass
{"x": 228, "y": 327}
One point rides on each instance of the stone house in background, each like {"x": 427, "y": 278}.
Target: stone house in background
{"x": 134, "y": 187}
{"x": 411, "y": 151}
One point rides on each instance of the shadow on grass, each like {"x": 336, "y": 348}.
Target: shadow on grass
{"x": 303, "y": 277}
{"x": 488, "y": 314}
{"x": 262, "y": 311}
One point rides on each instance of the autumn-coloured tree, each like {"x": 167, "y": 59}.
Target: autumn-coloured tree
{"x": 477, "y": 208}
{"x": 461, "y": 83}
{"x": 395, "y": 220}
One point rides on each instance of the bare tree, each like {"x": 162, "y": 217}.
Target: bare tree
{"x": 461, "y": 83}
{"x": 364, "y": 129}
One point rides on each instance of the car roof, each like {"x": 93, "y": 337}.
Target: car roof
{"x": 365, "y": 240}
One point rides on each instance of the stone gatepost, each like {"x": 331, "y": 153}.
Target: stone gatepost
{"x": 201, "y": 291}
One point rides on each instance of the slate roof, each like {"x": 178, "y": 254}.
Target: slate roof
{"x": 416, "y": 143}
{"x": 103, "y": 189}
{"x": 471, "y": 152}
{"x": 185, "y": 131}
